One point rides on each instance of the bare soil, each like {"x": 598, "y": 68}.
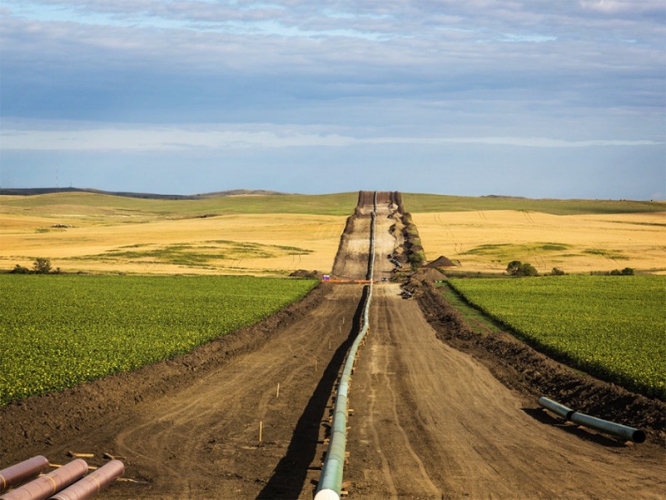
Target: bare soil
{"x": 433, "y": 421}
{"x": 431, "y": 417}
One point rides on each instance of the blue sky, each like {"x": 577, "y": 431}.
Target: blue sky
{"x": 531, "y": 98}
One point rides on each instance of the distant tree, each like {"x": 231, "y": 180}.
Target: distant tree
{"x": 557, "y": 272}
{"x": 627, "y": 271}
{"x": 527, "y": 270}
{"x": 513, "y": 267}
{"x": 42, "y": 265}
{"x": 517, "y": 268}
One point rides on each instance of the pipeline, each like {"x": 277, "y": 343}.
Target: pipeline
{"x": 21, "y": 472}
{"x": 617, "y": 430}
{"x": 330, "y": 483}
{"x": 45, "y": 486}
{"x": 93, "y": 483}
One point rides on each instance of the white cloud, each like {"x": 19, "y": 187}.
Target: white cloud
{"x": 407, "y": 70}
{"x": 233, "y": 137}
{"x": 623, "y": 6}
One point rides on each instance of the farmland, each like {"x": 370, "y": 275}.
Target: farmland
{"x": 432, "y": 203}
{"x": 104, "y": 237}
{"x": 57, "y": 331}
{"x": 430, "y": 420}
{"x": 278, "y": 234}
{"x": 612, "y": 327}
{"x": 487, "y": 240}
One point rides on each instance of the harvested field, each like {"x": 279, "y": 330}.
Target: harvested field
{"x": 488, "y": 240}
{"x": 231, "y": 244}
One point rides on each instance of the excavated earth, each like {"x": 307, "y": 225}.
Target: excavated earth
{"x": 439, "y": 412}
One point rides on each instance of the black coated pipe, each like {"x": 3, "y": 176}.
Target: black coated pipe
{"x": 618, "y": 430}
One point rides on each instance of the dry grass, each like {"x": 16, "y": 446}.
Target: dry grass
{"x": 273, "y": 244}
{"x": 113, "y": 234}
{"x": 487, "y": 241}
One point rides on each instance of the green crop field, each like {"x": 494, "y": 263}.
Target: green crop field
{"x": 106, "y": 207}
{"x": 109, "y": 207}
{"x": 57, "y": 331}
{"x": 420, "y": 203}
{"x": 610, "y": 326}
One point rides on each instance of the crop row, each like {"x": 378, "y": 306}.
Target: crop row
{"x": 57, "y": 331}
{"x": 611, "y": 327}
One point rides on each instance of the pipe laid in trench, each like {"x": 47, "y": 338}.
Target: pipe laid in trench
{"x": 330, "y": 482}
{"x": 618, "y": 430}
{"x": 21, "y": 472}
{"x": 45, "y": 486}
{"x": 93, "y": 483}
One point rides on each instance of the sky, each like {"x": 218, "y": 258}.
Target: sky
{"x": 535, "y": 98}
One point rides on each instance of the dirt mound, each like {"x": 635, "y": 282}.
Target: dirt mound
{"x": 441, "y": 261}
{"x": 521, "y": 367}
{"x": 302, "y": 273}
{"x": 427, "y": 274}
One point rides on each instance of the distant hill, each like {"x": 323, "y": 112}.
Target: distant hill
{"x": 263, "y": 201}
{"x": 217, "y": 194}
{"x": 240, "y": 192}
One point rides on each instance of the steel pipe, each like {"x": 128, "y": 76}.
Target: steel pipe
{"x": 330, "y": 483}
{"x": 45, "y": 486}
{"x": 618, "y": 430}
{"x": 93, "y": 483}
{"x": 556, "y": 408}
{"x": 21, "y": 472}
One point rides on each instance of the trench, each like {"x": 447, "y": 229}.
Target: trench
{"x": 291, "y": 471}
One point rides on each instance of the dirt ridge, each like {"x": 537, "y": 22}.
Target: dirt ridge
{"x": 521, "y": 367}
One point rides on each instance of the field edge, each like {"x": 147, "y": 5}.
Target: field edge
{"x": 30, "y": 424}
{"x": 522, "y": 368}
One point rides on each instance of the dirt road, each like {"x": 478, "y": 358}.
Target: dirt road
{"x": 429, "y": 421}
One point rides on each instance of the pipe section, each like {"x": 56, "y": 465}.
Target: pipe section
{"x": 45, "y": 486}
{"x": 21, "y": 472}
{"x": 93, "y": 483}
{"x": 330, "y": 483}
{"x": 556, "y": 408}
{"x": 617, "y": 430}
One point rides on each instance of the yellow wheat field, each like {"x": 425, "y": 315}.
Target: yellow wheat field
{"x": 121, "y": 240}
{"x": 273, "y": 244}
{"x": 488, "y": 240}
